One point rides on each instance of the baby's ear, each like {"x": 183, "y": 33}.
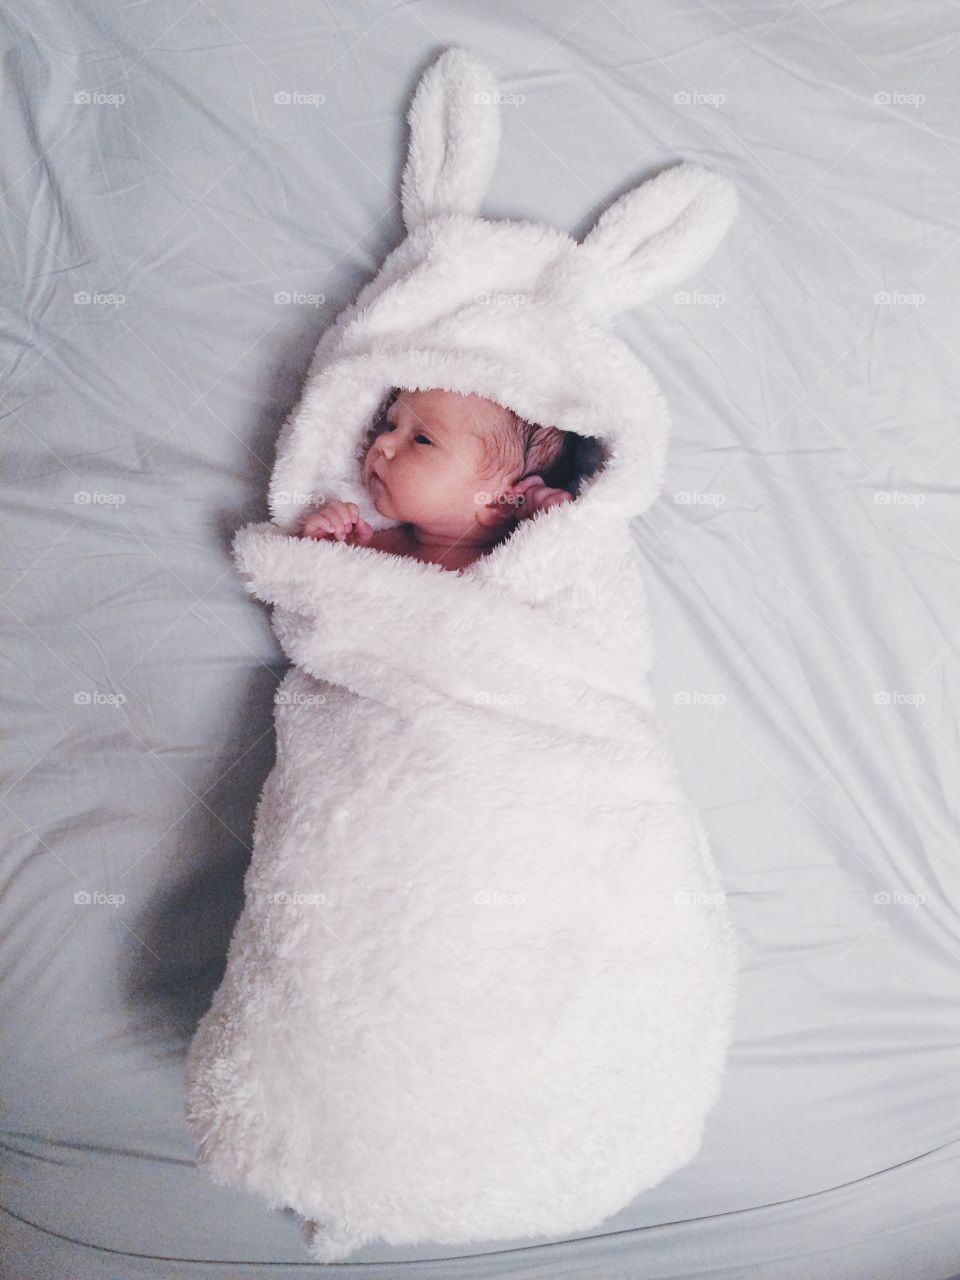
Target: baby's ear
{"x": 496, "y": 507}
{"x": 454, "y": 137}
{"x": 659, "y": 233}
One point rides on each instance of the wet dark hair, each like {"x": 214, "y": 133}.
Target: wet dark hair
{"x": 545, "y": 451}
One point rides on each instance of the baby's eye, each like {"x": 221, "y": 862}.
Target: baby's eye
{"x": 423, "y": 438}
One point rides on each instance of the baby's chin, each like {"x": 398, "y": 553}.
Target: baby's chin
{"x": 384, "y": 505}
{"x": 452, "y": 523}
{"x": 381, "y": 501}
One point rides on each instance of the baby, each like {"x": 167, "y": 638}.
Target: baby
{"x": 457, "y": 471}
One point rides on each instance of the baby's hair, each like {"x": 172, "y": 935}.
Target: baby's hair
{"x": 543, "y": 451}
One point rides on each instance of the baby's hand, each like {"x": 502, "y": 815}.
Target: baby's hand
{"x": 336, "y": 519}
{"x": 538, "y": 497}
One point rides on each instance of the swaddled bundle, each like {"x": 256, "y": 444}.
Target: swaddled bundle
{"x": 483, "y": 984}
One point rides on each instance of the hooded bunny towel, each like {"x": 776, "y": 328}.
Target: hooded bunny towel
{"x": 482, "y": 988}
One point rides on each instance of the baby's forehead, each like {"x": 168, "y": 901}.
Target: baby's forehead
{"x": 451, "y": 411}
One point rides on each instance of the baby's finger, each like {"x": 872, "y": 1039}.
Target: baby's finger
{"x": 311, "y": 523}
{"x": 364, "y": 530}
{"x": 351, "y": 519}
{"x": 340, "y": 518}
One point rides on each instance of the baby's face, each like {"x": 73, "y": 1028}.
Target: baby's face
{"x": 429, "y": 467}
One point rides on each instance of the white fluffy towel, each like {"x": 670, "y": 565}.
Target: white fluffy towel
{"x": 483, "y": 985}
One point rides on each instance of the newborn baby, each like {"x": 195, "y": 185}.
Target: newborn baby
{"x": 457, "y": 471}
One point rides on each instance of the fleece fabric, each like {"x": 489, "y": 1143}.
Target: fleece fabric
{"x": 483, "y": 984}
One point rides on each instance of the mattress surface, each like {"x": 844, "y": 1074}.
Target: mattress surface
{"x": 191, "y": 196}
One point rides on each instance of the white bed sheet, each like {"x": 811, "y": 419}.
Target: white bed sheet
{"x": 802, "y": 570}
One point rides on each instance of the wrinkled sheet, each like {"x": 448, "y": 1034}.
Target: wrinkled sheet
{"x": 802, "y": 570}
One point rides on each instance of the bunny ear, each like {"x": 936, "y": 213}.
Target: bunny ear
{"x": 454, "y": 136}
{"x": 660, "y": 232}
